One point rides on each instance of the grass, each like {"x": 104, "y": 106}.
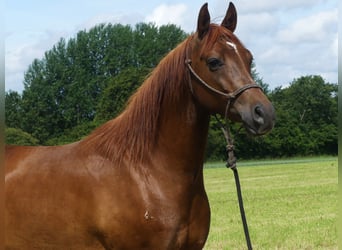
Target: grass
{"x": 289, "y": 204}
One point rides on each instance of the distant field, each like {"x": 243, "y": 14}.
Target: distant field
{"x": 290, "y": 204}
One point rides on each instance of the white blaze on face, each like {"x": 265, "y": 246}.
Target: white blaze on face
{"x": 232, "y": 45}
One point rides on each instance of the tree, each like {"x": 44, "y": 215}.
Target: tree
{"x": 63, "y": 89}
{"x": 13, "y": 109}
{"x": 306, "y": 117}
{"x": 40, "y": 117}
{"x": 16, "y": 136}
{"x": 120, "y": 88}
{"x": 216, "y": 146}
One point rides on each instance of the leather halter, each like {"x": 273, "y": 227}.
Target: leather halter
{"x": 231, "y": 160}
{"x": 230, "y": 96}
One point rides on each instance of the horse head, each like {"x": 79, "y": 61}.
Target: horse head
{"x": 221, "y": 78}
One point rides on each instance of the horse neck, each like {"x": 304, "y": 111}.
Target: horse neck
{"x": 161, "y": 121}
{"x": 183, "y": 136}
{"x": 181, "y": 130}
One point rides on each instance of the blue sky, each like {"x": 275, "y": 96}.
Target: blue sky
{"x": 288, "y": 39}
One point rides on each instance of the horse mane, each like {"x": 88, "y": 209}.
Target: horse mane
{"x": 134, "y": 131}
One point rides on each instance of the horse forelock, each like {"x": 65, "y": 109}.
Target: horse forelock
{"x": 217, "y": 33}
{"x": 135, "y": 131}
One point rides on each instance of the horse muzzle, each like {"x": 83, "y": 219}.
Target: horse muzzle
{"x": 259, "y": 120}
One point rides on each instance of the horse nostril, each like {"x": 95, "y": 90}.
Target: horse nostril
{"x": 258, "y": 110}
{"x": 259, "y": 115}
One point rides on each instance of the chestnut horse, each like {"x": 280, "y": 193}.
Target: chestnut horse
{"x": 136, "y": 182}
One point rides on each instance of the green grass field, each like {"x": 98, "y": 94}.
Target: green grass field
{"x": 289, "y": 204}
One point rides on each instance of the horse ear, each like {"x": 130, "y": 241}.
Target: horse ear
{"x": 230, "y": 19}
{"x": 203, "y": 22}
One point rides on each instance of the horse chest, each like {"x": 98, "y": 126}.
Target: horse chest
{"x": 154, "y": 222}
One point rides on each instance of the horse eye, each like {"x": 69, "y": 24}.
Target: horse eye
{"x": 214, "y": 64}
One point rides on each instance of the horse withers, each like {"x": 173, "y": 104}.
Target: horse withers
{"x": 136, "y": 182}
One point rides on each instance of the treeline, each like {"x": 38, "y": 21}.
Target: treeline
{"x": 85, "y": 81}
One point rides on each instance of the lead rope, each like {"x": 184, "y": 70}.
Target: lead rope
{"x": 231, "y": 163}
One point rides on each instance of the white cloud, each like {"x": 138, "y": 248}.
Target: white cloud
{"x": 334, "y": 46}
{"x": 14, "y": 74}
{"x": 119, "y": 17}
{"x": 248, "y": 6}
{"x": 254, "y": 26}
{"x": 165, "y": 14}
{"x": 16, "y": 62}
{"x": 314, "y": 28}
{"x": 291, "y": 40}
{"x": 281, "y": 63}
